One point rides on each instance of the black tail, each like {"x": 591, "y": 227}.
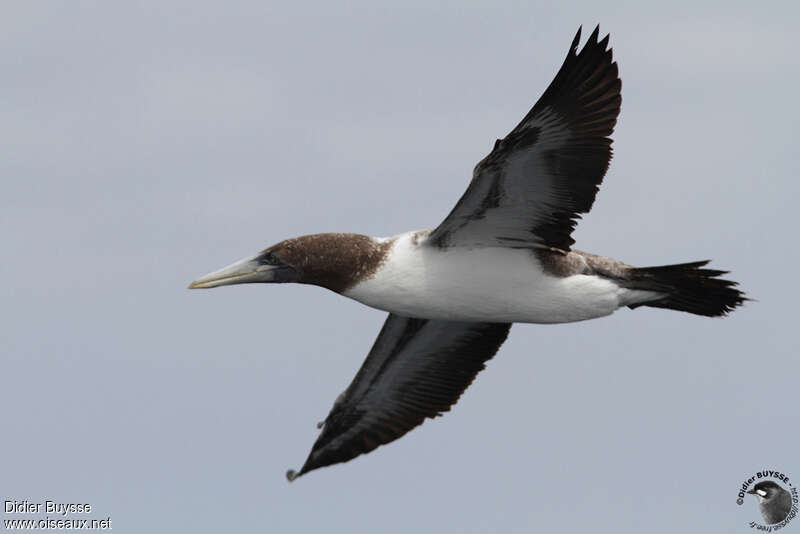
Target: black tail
{"x": 688, "y": 288}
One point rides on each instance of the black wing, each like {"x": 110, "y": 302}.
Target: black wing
{"x": 417, "y": 368}
{"x": 530, "y": 190}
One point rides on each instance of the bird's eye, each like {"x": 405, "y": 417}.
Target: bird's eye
{"x": 268, "y": 259}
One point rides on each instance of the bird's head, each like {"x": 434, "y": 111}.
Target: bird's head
{"x": 334, "y": 261}
{"x": 766, "y": 490}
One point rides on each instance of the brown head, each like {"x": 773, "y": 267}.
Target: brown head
{"x": 334, "y": 261}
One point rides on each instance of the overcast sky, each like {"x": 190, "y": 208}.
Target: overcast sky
{"x": 145, "y": 144}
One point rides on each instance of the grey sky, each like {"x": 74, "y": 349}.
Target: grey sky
{"x": 145, "y": 144}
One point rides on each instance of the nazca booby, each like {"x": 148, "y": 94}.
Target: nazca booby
{"x": 503, "y": 255}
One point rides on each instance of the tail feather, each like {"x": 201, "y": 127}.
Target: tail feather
{"x": 687, "y": 287}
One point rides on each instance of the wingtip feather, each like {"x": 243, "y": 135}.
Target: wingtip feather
{"x": 595, "y": 34}
{"x": 576, "y": 40}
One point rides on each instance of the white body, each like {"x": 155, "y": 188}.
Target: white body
{"x": 484, "y": 284}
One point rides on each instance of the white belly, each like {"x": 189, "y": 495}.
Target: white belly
{"x": 481, "y": 284}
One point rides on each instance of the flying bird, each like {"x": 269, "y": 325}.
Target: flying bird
{"x": 775, "y": 502}
{"x": 503, "y": 255}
